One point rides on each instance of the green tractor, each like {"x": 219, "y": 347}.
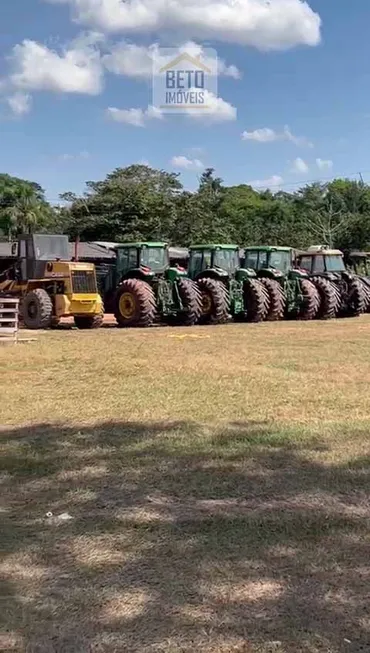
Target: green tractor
{"x": 359, "y": 264}
{"x": 290, "y": 291}
{"x": 225, "y": 287}
{"x": 142, "y": 286}
{"x": 341, "y": 291}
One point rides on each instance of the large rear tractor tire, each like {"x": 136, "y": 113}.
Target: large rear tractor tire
{"x": 356, "y": 299}
{"x": 311, "y": 301}
{"x": 135, "y": 304}
{"x": 366, "y": 288}
{"x": 192, "y": 301}
{"x": 277, "y": 300}
{"x": 89, "y": 321}
{"x": 37, "y": 310}
{"x": 329, "y": 298}
{"x": 256, "y": 301}
{"x": 215, "y": 301}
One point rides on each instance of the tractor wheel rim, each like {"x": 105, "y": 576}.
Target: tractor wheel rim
{"x": 207, "y": 303}
{"x": 127, "y": 305}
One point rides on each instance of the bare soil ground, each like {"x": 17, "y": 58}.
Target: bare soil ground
{"x": 185, "y": 490}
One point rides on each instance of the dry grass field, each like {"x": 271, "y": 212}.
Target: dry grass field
{"x": 213, "y": 485}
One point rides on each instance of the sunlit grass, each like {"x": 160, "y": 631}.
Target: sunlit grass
{"x": 217, "y": 484}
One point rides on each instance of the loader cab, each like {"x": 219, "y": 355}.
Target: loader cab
{"x": 213, "y": 257}
{"x": 36, "y": 251}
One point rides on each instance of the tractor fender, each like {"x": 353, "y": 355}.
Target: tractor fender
{"x": 245, "y": 273}
{"x": 298, "y": 273}
{"x": 270, "y": 273}
{"x": 218, "y": 275}
{"x": 144, "y": 274}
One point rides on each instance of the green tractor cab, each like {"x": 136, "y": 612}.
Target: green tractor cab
{"x": 341, "y": 291}
{"x": 225, "y": 287}
{"x": 290, "y": 291}
{"x": 142, "y": 286}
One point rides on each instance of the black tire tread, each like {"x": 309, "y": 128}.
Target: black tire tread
{"x": 277, "y": 300}
{"x": 311, "y": 303}
{"x": 256, "y": 301}
{"x": 45, "y": 316}
{"x": 366, "y": 288}
{"x": 330, "y": 300}
{"x": 192, "y": 301}
{"x": 220, "y": 300}
{"x": 145, "y": 298}
{"x": 357, "y": 299}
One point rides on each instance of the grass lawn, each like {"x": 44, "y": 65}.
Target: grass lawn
{"x": 214, "y": 484}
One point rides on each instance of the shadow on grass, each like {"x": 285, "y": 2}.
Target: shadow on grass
{"x": 183, "y": 537}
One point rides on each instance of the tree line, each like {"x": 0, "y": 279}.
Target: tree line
{"x": 142, "y": 203}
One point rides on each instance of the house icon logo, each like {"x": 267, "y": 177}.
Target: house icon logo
{"x": 184, "y": 82}
{"x": 189, "y": 59}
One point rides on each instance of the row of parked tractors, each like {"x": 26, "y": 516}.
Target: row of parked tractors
{"x": 140, "y": 286}
{"x": 267, "y": 283}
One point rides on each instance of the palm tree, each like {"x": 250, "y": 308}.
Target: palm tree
{"x": 25, "y": 212}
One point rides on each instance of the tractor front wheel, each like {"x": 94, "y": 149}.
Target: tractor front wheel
{"x": 135, "y": 304}
{"x": 256, "y": 301}
{"x": 192, "y": 302}
{"x": 330, "y": 300}
{"x": 37, "y": 310}
{"x": 276, "y": 298}
{"x": 215, "y": 301}
{"x": 89, "y": 321}
{"x": 311, "y": 301}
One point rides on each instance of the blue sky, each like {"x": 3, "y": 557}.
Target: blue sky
{"x": 55, "y": 127}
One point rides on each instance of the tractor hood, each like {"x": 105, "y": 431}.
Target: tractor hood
{"x": 173, "y": 273}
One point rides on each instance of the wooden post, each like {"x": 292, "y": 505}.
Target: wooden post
{"x": 77, "y": 242}
{"x": 9, "y": 319}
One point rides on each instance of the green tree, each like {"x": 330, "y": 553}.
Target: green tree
{"x": 131, "y": 203}
{"x": 23, "y": 207}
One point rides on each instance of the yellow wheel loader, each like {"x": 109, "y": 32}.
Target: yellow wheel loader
{"x": 51, "y": 285}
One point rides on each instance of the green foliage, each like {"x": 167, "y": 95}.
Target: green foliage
{"x": 23, "y": 207}
{"x": 141, "y": 203}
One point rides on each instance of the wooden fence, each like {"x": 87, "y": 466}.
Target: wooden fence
{"x": 9, "y": 319}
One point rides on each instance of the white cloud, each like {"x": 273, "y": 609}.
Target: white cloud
{"x": 264, "y": 135}
{"x": 300, "y": 166}
{"x": 134, "y": 117}
{"x": 20, "y": 103}
{"x": 74, "y": 157}
{"x": 218, "y": 110}
{"x": 195, "y": 151}
{"x": 76, "y": 69}
{"x": 187, "y": 164}
{"x": 324, "y": 164}
{"x": 268, "y": 135}
{"x": 137, "y": 60}
{"x": 273, "y": 182}
{"x": 276, "y": 25}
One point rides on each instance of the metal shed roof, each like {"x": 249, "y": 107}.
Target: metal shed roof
{"x": 94, "y": 250}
